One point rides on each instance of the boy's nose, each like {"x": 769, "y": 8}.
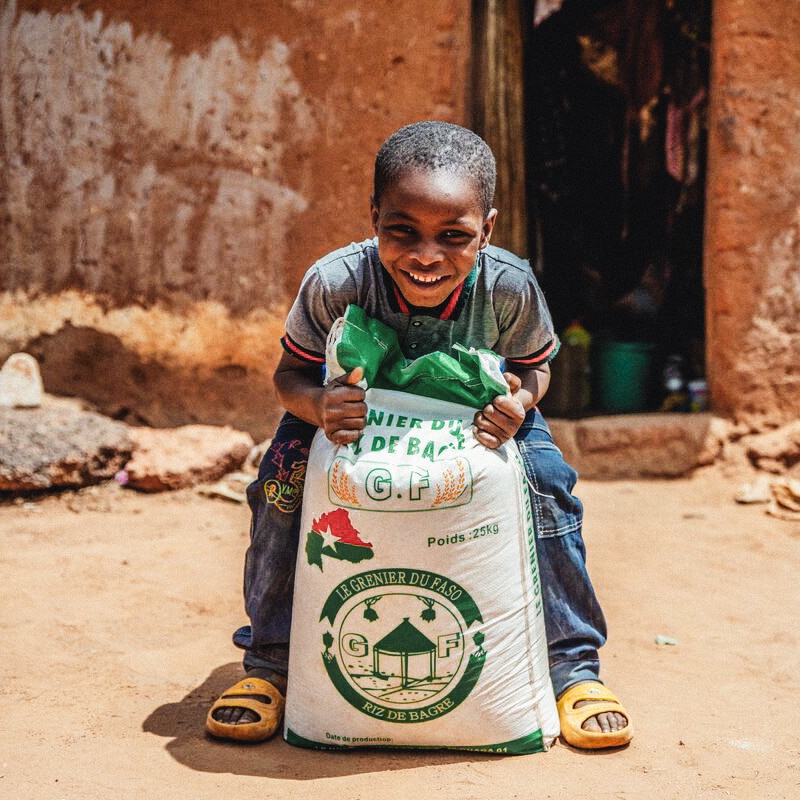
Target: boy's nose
{"x": 427, "y": 253}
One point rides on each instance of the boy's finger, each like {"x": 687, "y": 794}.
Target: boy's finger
{"x": 343, "y": 436}
{"x": 487, "y": 439}
{"x": 513, "y": 381}
{"x": 355, "y": 376}
{"x": 509, "y": 407}
{"x": 487, "y": 422}
{"x": 495, "y": 424}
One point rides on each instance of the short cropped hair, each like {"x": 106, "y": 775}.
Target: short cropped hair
{"x": 435, "y": 145}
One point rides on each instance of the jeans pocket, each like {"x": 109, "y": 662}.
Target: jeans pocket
{"x": 556, "y": 510}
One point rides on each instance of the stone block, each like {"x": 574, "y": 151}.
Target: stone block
{"x": 637, "y": 445}
{"x": 177, "y": 458}
{"x": 59, "y": 445}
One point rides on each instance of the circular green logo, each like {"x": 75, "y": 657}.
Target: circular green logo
{"x": 403, "y": 645}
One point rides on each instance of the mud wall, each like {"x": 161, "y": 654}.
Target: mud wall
{"x": 167, "y": 172}
{"x": 752, "y": 252}
{"x": 170, "y": 170}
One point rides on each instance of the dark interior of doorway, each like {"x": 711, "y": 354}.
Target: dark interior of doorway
{"x": 615, "y": 115}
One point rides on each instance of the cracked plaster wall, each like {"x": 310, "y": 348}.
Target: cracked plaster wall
{"x": 169, "y": 172}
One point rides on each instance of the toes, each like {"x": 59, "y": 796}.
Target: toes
{"x": 235, "y": 715}
{"x": 592, "y": 724}
{"x": 607, "y": 722}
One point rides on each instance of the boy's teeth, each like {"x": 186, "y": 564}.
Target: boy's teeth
{"x": 424, "y": 278}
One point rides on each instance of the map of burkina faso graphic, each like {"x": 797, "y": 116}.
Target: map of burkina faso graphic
{"x": 333, "y": 535}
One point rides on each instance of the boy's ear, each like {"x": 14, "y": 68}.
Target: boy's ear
{"x": 488, "y": 227}
{"x": 373, "y": 213}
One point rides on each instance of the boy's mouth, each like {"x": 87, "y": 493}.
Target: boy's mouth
{"x": 426, "y": 280}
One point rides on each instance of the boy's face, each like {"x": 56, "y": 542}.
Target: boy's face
{"x": 430, "y": 226}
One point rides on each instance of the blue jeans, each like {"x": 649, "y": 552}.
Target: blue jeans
{"x": 575, "y": 625}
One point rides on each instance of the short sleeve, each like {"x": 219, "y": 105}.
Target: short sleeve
{"x": 526, "y": 329}
{"x": 327, "y": 288}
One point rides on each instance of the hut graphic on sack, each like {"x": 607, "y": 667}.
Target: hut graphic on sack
{"x": 405, "y": 643}
{"x": 417, "y": 615}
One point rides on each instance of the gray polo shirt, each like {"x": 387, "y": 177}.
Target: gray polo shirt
{"x": 498, "y": 307}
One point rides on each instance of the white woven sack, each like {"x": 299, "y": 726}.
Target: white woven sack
{"x": 417, "y": 617}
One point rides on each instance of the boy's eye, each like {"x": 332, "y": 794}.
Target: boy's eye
{"x": 456, "y": 236}
{"x": 400, "y": 230}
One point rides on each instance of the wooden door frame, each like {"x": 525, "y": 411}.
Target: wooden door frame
{"x": 497, "y": 107}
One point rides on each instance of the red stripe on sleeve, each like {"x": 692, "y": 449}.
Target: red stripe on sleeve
{"x": 295, "y": 350}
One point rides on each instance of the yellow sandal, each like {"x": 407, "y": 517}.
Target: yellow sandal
{"x": 572, "y": 719}
{"x": 247, "y": 693}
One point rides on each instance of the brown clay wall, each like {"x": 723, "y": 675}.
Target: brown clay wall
{"x": 752, "y": 259}
{"x": 169, "y": 170}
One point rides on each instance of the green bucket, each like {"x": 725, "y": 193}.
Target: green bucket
{"x": 623, "y": 375}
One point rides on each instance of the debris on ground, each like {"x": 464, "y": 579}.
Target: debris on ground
{"x": 256, "y": 454}
{"x": 782, "y": 496}
{"x": 756, "y": 492}
{"x": 662, "y": 639}
{"x": 232, "y": 487}
{"x": 785, "y": 502}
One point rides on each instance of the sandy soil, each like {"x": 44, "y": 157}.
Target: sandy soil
{"x": 117, "y": 610}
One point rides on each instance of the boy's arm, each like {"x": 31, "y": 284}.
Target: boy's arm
{"x": 338, "y": 408}
{"x": 500, "y": 420}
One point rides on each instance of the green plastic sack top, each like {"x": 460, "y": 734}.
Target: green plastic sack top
{"x": 472, "y": 378}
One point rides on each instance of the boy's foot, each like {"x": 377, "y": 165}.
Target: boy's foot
{"x": 592, "y": 717}
{"x": 251, "y": 710}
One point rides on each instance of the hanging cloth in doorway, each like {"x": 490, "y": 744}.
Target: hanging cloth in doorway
{"x": 545, "y": 8}
{"x": 683, "y": 139}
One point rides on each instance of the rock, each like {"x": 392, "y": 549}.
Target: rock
{"x": 715, "y": 442}
{"x": 177, "y": 458}
{"x": 757, "y": 491}
{"x": 21, "y": 382}
{"x": 638, "y": 445}
{"x": 59, "y": 445}
{"x": 775, "y": 451}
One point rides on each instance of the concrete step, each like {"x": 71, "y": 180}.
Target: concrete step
{"x": 650, "y": 445}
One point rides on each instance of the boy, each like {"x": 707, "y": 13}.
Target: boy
{"x": 431, "y": 275}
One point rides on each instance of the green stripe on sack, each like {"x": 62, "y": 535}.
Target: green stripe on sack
{"x": 523, "y": 746}
{"x": 471, "y": 378}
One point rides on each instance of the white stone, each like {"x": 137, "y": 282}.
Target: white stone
{"x": 21, "y": 382}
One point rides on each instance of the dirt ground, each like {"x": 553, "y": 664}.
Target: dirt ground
{"x": 117, "y": 610}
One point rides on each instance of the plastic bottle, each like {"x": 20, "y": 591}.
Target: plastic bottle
{"x": 676, "y": 398}
{"x": 579, "y": 341}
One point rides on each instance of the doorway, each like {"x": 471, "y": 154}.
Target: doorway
{"x": 614, "y": 95}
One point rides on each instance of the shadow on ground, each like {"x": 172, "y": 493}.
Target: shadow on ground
{"x": 183, "y": 723}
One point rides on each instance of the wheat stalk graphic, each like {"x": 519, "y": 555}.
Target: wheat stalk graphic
{"x": 453, "y": 486}
{"x": 340, "y": 485}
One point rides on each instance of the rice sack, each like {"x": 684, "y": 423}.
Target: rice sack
{"x": 417, "y": 617}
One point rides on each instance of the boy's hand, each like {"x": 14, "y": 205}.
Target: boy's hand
{"x": 497, "y": 422}
{"x": 344, "y": 411}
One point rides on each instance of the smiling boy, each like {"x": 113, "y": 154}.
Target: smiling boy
{"x": 431, "y": 275}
